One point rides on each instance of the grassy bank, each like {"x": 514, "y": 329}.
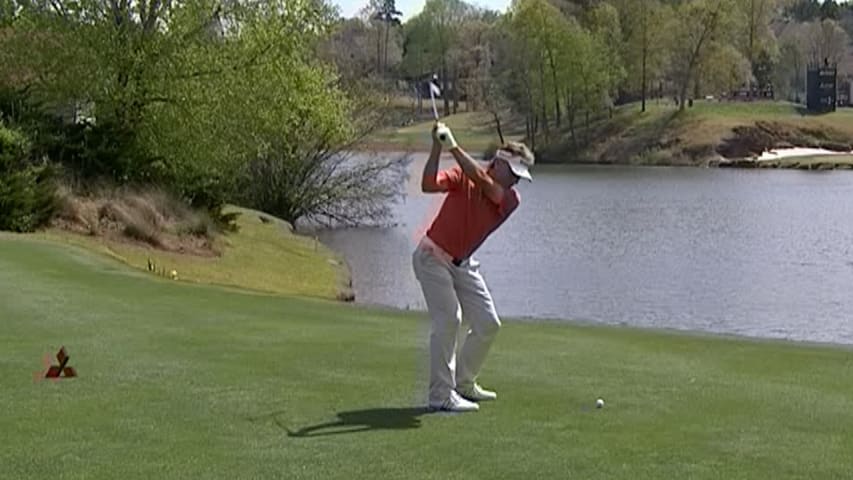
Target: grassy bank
{"x": 263, "y": 255}
{"x": 809, "y": 162}
{"x": 700, "y": 135}
{"x": 475, "y": 131}
{"x": 186, "y": 381}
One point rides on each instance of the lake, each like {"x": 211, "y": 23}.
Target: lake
{"x": 763, "y": 253}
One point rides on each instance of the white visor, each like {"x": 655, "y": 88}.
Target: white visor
{"x": 518, "y": 167}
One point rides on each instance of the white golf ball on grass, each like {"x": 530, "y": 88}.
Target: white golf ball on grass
{"x": 599, "y": 403}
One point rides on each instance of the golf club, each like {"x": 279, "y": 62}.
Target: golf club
{"x": 435, "y": 90}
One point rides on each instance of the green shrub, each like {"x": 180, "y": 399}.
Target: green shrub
{"x": 105, "y": 149}
{"x": 27, "y": 192}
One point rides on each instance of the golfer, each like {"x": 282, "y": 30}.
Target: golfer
{"x": 478, "y": 201}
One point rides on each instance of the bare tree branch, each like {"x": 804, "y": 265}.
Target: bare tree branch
{"x": 323, "y": 183}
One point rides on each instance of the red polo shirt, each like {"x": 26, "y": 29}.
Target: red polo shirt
{"x": 467, "y": 216}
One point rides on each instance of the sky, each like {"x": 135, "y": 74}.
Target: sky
{"x": 410, "y": 8}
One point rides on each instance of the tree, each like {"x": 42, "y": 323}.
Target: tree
{"x": 591, "y": 88}
{"x": 472, "y": 57}
{"x": 556, "y": 66}
{"x": 826, "y": 40}
{"x": 756, "y": 37}
{"x": 349, "y": 49}
{"x": 284, "y": 127}
{"x": 764, "y": 66}
{"x": 541, "y": 28}
{"x": 27, "y": 191}
{"x": 419, "y": 55}
{"x": 645, "y": 24}
{"x": 389, "y": 16}
{"x": 724, "y": 68}
{"x": 603, "y": 23}
{"x": 443, "y": 20}
{"x": 790, "y": 73}
{"x": 370, "y": 14}
{"x": 700, "y": 24}
{"x": 208, "y": 93}
{"x": 512, "y": 60}
{"x": 830, "y": 9}
{"x": 120, "y": 57}
{"x": 803, "y": 10}
{"x": 810, "y": 10}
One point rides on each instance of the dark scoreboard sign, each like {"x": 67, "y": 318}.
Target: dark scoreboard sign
{"x": 822, "y": 88}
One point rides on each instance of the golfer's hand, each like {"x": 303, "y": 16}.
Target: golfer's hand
{"x": 435, "y": 140}
{"x": 445, "y": 136}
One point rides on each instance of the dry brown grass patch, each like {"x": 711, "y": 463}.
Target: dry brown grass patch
{"x": 150, "y": 217}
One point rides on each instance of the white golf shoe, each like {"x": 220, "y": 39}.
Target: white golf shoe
{"x": 476, "y": 393}
{"x": 455, "y": 403}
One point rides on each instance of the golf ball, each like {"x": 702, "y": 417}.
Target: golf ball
{"x": 599, "y": 403}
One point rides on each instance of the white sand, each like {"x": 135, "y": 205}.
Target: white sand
{"x": 797, "y": 152}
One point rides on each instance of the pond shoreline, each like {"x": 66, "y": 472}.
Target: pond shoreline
{"x": 821, "y": 161}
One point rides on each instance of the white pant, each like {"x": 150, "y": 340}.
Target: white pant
{"x": 452, "y": 294}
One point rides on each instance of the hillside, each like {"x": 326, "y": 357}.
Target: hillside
{"x": 706, "y": 135}
{"x": 264, "y": 255}
{"x": 709, "y": 134}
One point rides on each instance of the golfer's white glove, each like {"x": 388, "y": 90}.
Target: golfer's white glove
{"x": 445, "y": 136}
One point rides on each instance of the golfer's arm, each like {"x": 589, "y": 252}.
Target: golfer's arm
{"x": 478, "y": 175}
{"x": 429, "y": 181}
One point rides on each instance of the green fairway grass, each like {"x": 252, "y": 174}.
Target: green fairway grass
{"x": 185, "y": 381}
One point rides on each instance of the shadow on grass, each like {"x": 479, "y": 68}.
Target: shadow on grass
{"x": 356, "y": 421}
